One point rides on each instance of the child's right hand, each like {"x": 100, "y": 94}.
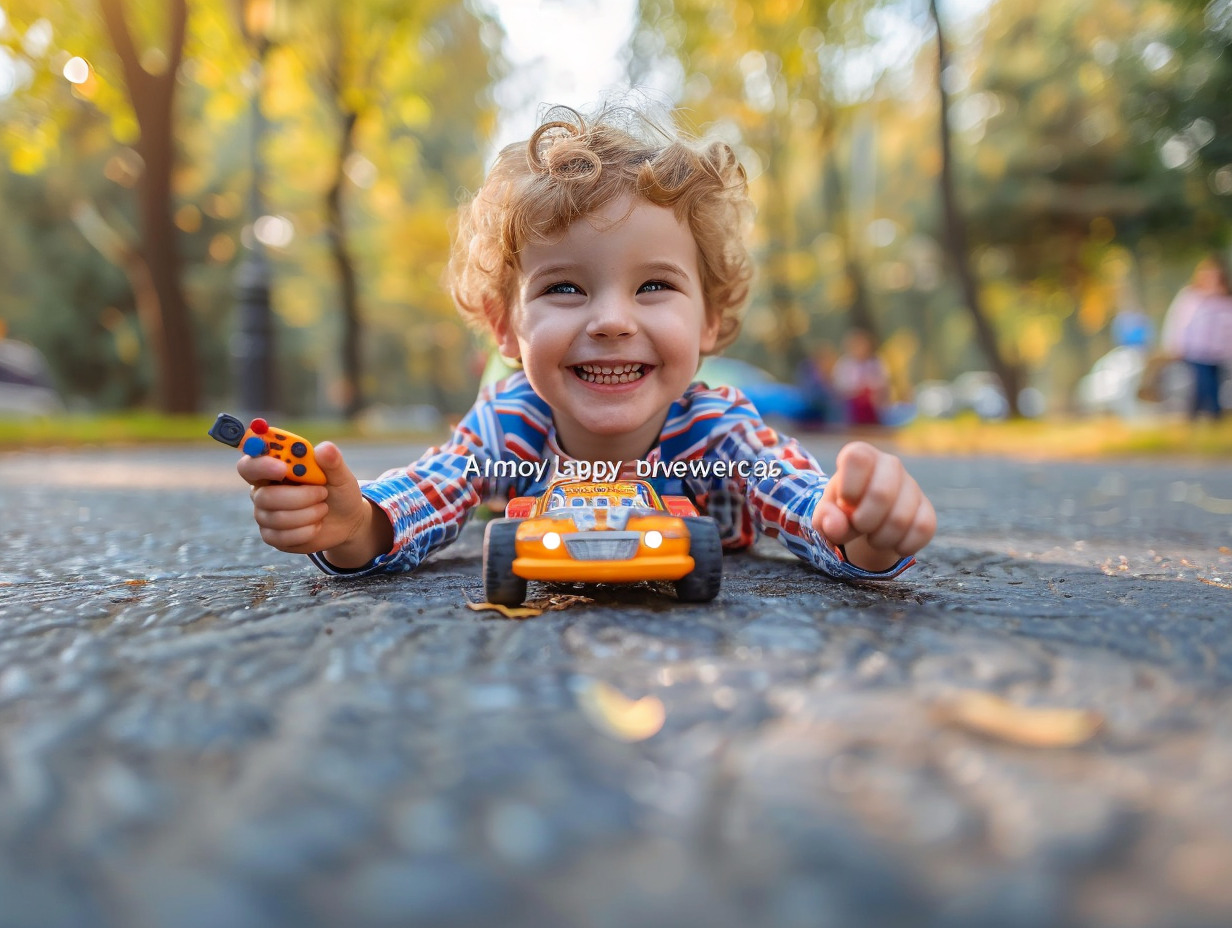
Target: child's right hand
{"x": 336, "y": 519}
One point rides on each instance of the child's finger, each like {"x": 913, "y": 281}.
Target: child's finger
{"x": 337, "y": 474}
{"x": 890, "y": 534}
{"x": 833, "y": 523}
{"x": 881, "y": 491}
{"x": 853, "y": 469}
{"x": 293, "y": 541}
{"x": 285, "y": 496}
{"x": 286, "y": 519}
{"x": 923, "y": 527}
{"x": 261, "y": 470}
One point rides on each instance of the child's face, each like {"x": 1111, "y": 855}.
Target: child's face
{"x": 1209, "y": 277}
{"x": 613, "y": 293}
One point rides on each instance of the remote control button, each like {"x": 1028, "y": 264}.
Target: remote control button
{"x": 299, "y": 449}
{"x": 259, "y": 426}
{"x": 254, "y": 447}
{"x": 299, "y": 470}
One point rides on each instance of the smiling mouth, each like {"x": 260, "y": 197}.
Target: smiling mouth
{"x": 611, "y": 373}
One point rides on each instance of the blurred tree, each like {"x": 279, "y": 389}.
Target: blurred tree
{"x": 80, "y": 316}
{"x": 126, "y": 71}
{"x": 406, "y": 117}
{"x": 153, "y": 267}
{"x": 1192, "y": 65}
{"x": 1071, "y": 113}
{"x": 356, "y": 56}
{"x": 955, "y": 230}
{"x": 1089, "y": 144}
{"x": 42, "y": 34}
{"x": 420, "y": 135}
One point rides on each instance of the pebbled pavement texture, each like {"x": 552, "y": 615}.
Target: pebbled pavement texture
{"x": 196, "y": 730}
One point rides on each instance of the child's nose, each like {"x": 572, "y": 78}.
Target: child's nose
{"x": 612, "y": 318}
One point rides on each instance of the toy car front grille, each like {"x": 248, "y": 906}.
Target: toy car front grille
{"x": 602, "y": 546}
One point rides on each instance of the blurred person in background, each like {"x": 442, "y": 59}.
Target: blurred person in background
{"x": 861, "y": 379}
{"x": 815, "y": 378}
{"x": 1198, "y": 330}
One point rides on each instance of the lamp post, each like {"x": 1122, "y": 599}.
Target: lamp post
{"x": 252, "y": 345}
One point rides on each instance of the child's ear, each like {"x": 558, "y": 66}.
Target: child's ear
{"x": 500, "y": 321}
{"x": 710, "y": 332}
{"x": 506, "y": 339}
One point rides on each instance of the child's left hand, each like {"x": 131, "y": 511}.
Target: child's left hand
{"x": 874, "y": 509}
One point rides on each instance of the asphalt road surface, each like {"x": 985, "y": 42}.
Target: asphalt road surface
{"x": 1033, "y": 727}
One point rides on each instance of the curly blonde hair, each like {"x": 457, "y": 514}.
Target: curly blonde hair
{"x": 572, "y": 166}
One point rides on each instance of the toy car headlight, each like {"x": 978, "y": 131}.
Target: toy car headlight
{"x": 653, "y": 539}
{"x": 551, "y": 540}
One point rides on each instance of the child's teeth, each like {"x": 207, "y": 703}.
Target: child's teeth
{"x": 609, "y": 374}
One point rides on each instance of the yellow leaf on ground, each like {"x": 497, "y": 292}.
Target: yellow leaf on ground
{"x": 615, "y": 714}
{"x": 509, "y": 612}
{"x": 994, "y": 717}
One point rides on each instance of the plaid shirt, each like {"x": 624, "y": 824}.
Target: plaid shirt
{"x": 429, "y": 501}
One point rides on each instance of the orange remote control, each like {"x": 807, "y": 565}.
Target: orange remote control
{"x": 260, "y": 438}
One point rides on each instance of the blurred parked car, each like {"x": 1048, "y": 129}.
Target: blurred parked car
{"x": 979, "y": 392}
{"x": 25, "y": 382}
{"x": 773, "y": 398}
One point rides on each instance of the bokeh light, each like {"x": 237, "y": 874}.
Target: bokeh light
{"x": 274, "y": 231}
{"x": 77, "y": 70}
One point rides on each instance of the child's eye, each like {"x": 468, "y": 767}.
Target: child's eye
{"x": 563, "y": 287}
{"x": 651, "y": 286}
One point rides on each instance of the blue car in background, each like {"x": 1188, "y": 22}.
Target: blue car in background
{"x": 773, "y": 398}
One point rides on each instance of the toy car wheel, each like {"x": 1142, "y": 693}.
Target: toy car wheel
{"x": 500, "y": 584}
{"x": 702, "y": 583}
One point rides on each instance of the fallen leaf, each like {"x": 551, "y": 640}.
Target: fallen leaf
{"x": 509, "y": 612}
{"x": 1215, "y": 581}
{"x": 1203, "y": 500}
{"x": 993, "y": 716}
{"x": 136, "y": 582}
{"x": 615, "y": 714}
{"x": 558, "y": 602}
{"x": 1224, "y": 549}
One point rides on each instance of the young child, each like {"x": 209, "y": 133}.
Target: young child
{"x": 606, "y": 258}
{"x": 861, "y": 378}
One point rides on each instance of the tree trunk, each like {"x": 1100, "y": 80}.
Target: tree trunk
{"x": 783, "y": 299}
{"x": 859, "y": 307}
{"x": 955, "y": 235}
{"x": 352, "y": 322}
{"x": 153, "y": 97}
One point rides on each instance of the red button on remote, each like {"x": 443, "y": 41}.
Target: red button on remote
{"x": 259, "y": 426}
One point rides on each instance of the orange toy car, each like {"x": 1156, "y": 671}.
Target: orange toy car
{"x": 621, "y": 532}
{"x": 262, "y": 438}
